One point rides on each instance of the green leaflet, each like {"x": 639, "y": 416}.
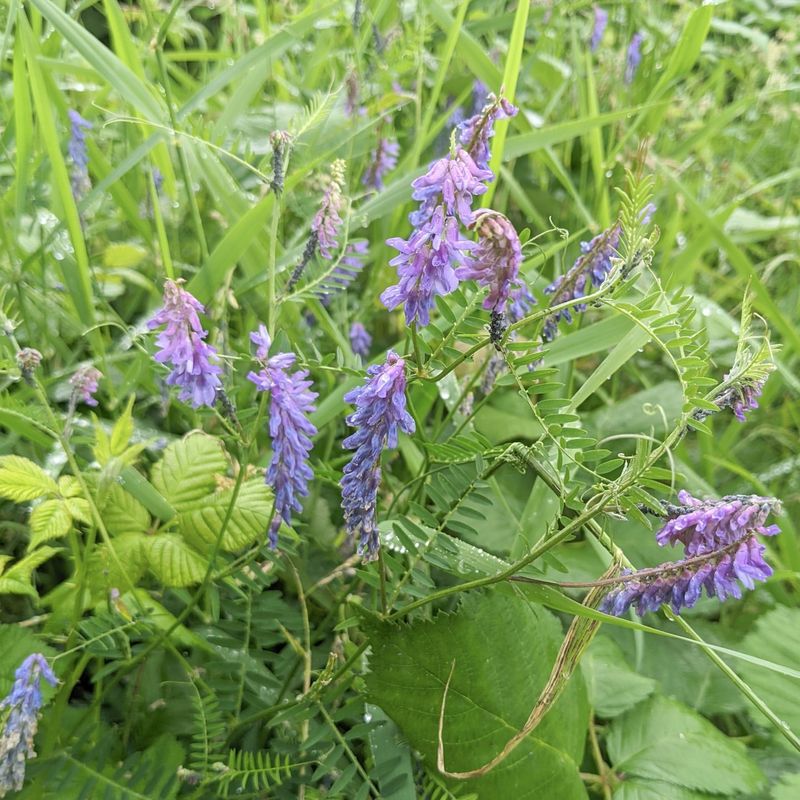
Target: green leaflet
{"x": 503, "y": 649}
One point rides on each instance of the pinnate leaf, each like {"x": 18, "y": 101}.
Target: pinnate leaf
{"x": 504, "y": 649}
{"x": 21, "y": 480}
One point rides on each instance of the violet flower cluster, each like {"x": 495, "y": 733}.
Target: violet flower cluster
{"x": 78, "y": 153}
{"x": 633, "y": 57}
{"x": 360, "y": 340}
{"x": 84, "y": 383}
{"x": 741, "y": 398}
{"x": 475, "y": 132}
{"x": 290, "y": 402}
{"x": 23, "y": 704}
{"x": 721, "y": 551}
{"x": 327, "y": 222}
{"x": 382, "y": 161}
{"x": 495, "y": 262}
{"x": 380, "y": 412}
{"x": 182, "y": 346}
{"x": 600, "y": 23}
{"x": 591, "y": 268}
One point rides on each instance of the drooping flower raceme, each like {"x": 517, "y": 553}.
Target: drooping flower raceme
{"x": 720, "y": 552}
{"x": 600, "y": 23}
{"x": 521, "y": 301}
{"x": 78, "y": 153}
{"x": 741, "y": 397}
{"x": 380, "y": 412}
{"x": 327, "y": 222}
{"x": 475, "y": 132}
{"x": 633, "y": 57}
{"x": 496, "y": 260}
{"x": 426, "y": 266}
{"x": 84, "y": 385}
{"x": 182, "y": 346}
{"x": 290, "y": 402}
{"x": 591, "y": 267}
{"x": 360, "y": 340}
{"x": 382, "y": 161}
{"x": 22, "y": 706}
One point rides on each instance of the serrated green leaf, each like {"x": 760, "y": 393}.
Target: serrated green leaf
{"x": 495, "y": 683}
{"x": 186, "y": 473}
{"x": 663, "y": 740}
{"x": 123, "y": 513}
{"x": 173, "y": 561}
{"x": 122, "y": 430}
{"x": 51, "y": 519}
{"x": 22, "y": 480}
{"x": 104, "y": 569}
{"x": 248, "y": 521}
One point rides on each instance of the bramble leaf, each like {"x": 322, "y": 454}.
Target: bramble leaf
{"x": 173, "y": 561}
{"x": 22, "y": 480}
{"x": 51, "y": 519}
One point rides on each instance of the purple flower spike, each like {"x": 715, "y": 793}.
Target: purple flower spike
{"x": 84, "y": 384}
{"x": 290, "y": 430}
{"x": 721, "y": 551}
{"x": 182, "y": 346}
{"x": 455, "y": 180}
{"x": 360, "y": 340}
{"x": 496, "y": 260}
{"x": 634, "y": 57}
{"x": 380, "y": 412}
{"x": 741, "y": 397}
{"x": 327, "y": 222}
{"x": 521, "y": 301}
{"x": 425, "y": 266}
{"x": 474, "y": 133}
{"x": 78, "y": 154}
{"x": 24, "y": 703}
{"x": 382, "y": 161}
{"x": 600, "y": 23}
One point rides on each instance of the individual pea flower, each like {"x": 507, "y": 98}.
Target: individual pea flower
{"x": 84, "y": 385}
{"x": 28, "y": 360}
{"x": 290, "y": 402}
{"x": 382, "y": 160}
{"x": 475, "y": 132}
{"x": 23, "y": 704}
{"x": 426, "y": 266}
{"x": 451, "y": 181}
{"x": 600, "y": 23}
{"x": 327, "y": 222}
{"x": 496, "y": 260}
{"x": 633, "y": 57}
{"x": 741, "y": 397}
{"x": 78, "y": 154}
{"x": 360, "y": 340}
{"x": 591, "y": 267}
{"x": 380, "y": 413}
{"x": 721, "y": 551}
{"x": 182, "y": 346}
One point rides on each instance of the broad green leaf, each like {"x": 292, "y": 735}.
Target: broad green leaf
{"x": 663, "y": 740}
{"x": 173, "y": 561}
{"x": 773, "y": 638}
{"x": 249, "y": 518}
{"x": 104, "y": 570}
{"x": 51, "y": 519}
{"x": 612, "y": 685}
{"x": 22, "y": 480}
{"x": 788, "y": 788}
{"x": 123, "y": 430}
{"x": 186, "y": 473}
{"x": 17, "y": 579}
{"x": 69, "y": 486}
{"x": 639, "y": 789}
{"x": 123, "y": 513}
{"x": 502, "y": 649}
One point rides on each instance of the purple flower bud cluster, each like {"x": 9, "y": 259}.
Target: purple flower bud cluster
{"x": 600, "y": 23}
{"x": 84, "y": 385}
{"x": 720, "y": 552}
{"x": 28, "y": 360}
{"x": 591, "y": 267}
{"x": 382, "y": 161}
{"x": 182, "y": 346}
{"x": 360, "y": 340}
{"x": 380, "y": 412}
{"x": 290, "y": 401}
{"x": 741, "y": 398}
{"x": 23, "y": 702}
{"x": 496, "y": 260}
{"x": 327, "y": 222}
{"x": 633, "y": 57}
{"x": 78, "y": 153}
{"x": 475, "y": 132}
{"x": 426, "y": 266}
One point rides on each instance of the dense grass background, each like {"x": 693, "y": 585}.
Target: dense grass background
{"x": 182, "y": 98}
